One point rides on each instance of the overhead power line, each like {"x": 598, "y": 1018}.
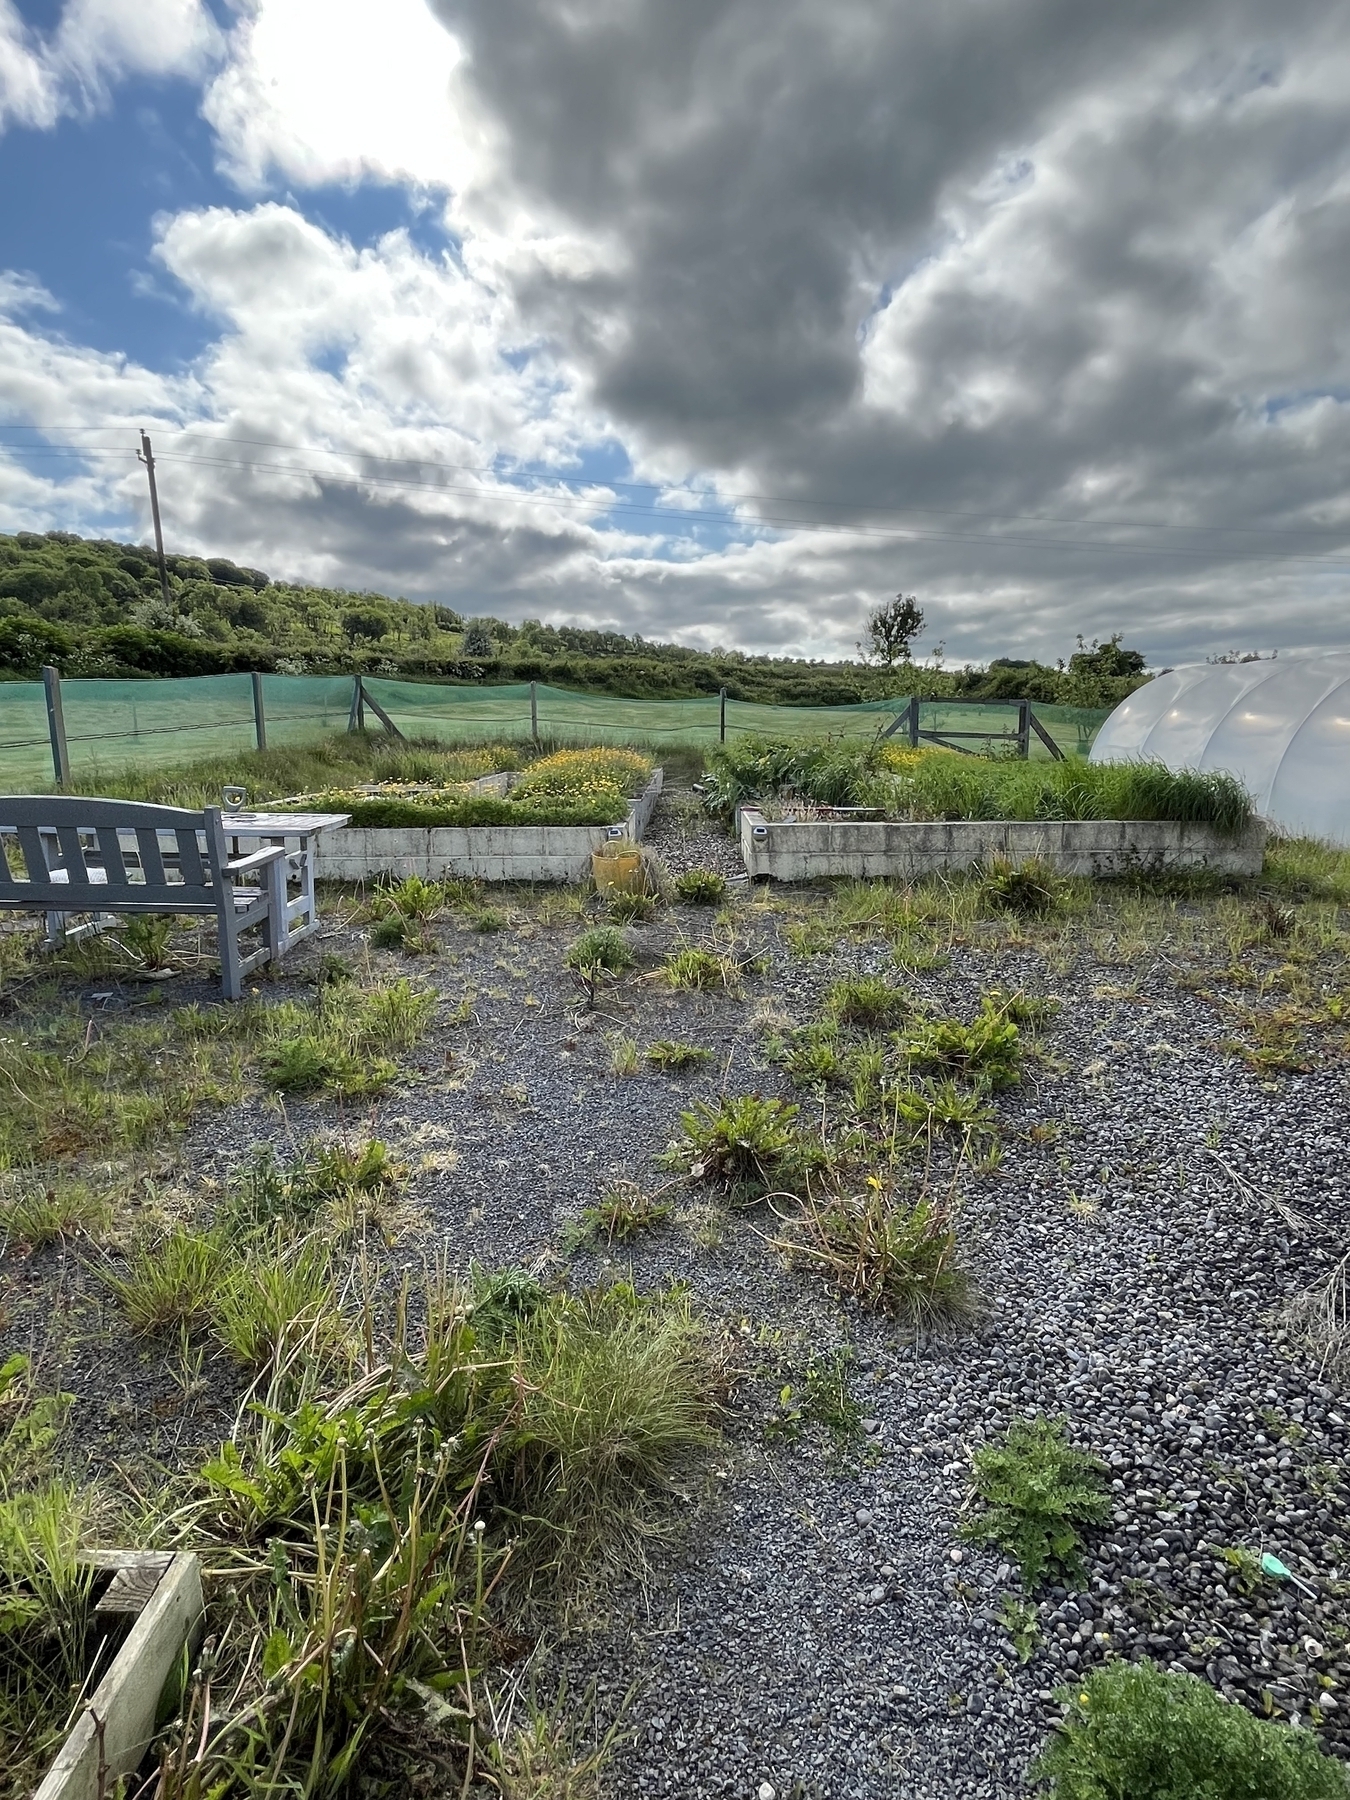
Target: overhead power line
{"x": 687, "y": 517}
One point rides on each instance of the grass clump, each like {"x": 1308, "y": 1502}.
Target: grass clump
{"x": 746, "y": 1142}
{"x": 624, "y": 1213}
{"x": 334, "y": 1046}
{"x": 275, "y": 1299}
{"x": 701, "y": 887}
{"x": 868, "y": 1001}
{"x": 1028, "y": 890}
{"x": 898, "y": 1257}
{"x": 702, "y": 970}
{"x": 603, "y": 948}
{"x": 631, "y": 909}
{"x": 671, "y": 1056}
{"x": 45, "y": 1214}
{"x": 170, "y": 1279}
{"x": 1036, "y": 1490}
{"x": 1134, "y": 1731}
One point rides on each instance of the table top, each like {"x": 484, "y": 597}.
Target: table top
{"x": 281, "y": 824}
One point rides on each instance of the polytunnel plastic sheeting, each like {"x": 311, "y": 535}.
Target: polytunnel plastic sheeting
{"x": 1282, "y": 727}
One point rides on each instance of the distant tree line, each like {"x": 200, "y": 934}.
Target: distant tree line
{"x": 95, "y": 608}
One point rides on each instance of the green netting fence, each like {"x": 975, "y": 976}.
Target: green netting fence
{"x": 113, "y": 725}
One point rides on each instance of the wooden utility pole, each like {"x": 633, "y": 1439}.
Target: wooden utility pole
{"x": 146, "y": 455}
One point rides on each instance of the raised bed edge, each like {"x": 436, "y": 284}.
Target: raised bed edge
{"x": 809, "y": 850}
{"x": 115, "y": 1727}
{"x": 478, "y": 852}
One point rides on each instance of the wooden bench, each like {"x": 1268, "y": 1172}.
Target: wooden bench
{"x": 64, "y": 855}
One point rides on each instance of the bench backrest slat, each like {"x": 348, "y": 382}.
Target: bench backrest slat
{"x": 129, "y": 854}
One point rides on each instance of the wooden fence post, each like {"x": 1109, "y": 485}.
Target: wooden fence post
{"x": 356, "y": 719}
{"x": 259, "y": 717}
{"x": 1024, "y": 729}
{"x": 534, "y": 712}
{"x": 914, "y": 722}
{"x": 722, "y": 715}
{"x": 56, "y": 725}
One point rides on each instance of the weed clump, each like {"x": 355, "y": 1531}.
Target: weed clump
{"x": 987, "y": 1051}
{"x": 1036, "y": 1491}
{"x": 700, "y": 969}
{"x": 1029, "y": 890}
{"x": 1134, "y": 1730}
{"x": 900, "y": 1258}
{"x": 631, "y": 909}
{"x": 746, "y": 1142}
{"x": 671, "y": 1056}
{"x": 624, "y": 1213}
{"x": 701, "y": 887}
{"x": 334, "y": 1047}
{"x": 865, "y": 1000}
{"x": 603, "y": 948}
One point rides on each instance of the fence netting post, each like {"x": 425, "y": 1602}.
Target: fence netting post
{"x": 259, "y": 716}
{"x": 1024, "y": 729}
{"x": 914, "y": 721}
{"x": 721, "y": 715}
{"x": 56, "y": 724}
{"x": 534, "y": 712}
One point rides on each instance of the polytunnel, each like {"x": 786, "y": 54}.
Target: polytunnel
{"x": 1282, "y": 727}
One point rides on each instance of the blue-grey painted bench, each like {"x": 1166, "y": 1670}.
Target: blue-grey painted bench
{"x": 63, "y": 854}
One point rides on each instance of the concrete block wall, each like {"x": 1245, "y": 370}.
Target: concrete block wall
{"x": 478, "y": 852}
{"x": 808, "y": 850}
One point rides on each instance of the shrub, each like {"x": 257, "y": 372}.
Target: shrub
{"x": 902, "y": 1259}
{"x": 701, "y": 887}
{"x": 1134, "y": 1731}
{"x": 745, "y": 1141}
{"x": 865, "y": 1000}
{"x": 1037, "y": 1490}
{"x": 603, "y": 947}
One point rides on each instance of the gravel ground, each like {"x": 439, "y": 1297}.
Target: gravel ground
{"x": 814, "y": 1626}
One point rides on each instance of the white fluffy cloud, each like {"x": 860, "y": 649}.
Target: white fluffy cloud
{"x": 1042, "y": 306}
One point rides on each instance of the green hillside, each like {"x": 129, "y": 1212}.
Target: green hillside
{"x": 93, "y": 608}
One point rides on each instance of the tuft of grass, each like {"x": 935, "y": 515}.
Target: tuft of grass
{"x": 670, "y": 1056}
{"x": 604, "y": 947}
{"x": 745, "y": 1142}
{"x": 623, "y": 1056}
{"x": 704, "y": 970}
{"x": 868, "y": 1001}
{"x": 900, "y": 1258}
{"x": 334, "y": 1047}
{"x": 275, "y": 1299}
{"x": 1301, "y": 869}
{"x": 701, "y": 887}
{"x": 810, "y": 937}
{"x": 1037, "y": 1490}
{"x": 486, "y": 919}
{"x": 172, "y": 1279}
{"x": 625, "y": 1212}
{"x": 1028, "y": 890}
{"x": 146, "y": 936}
{"x": 1130, "y": 1729}
{"x": 541, "y": 1758}
{"x": 43, "y": 1215}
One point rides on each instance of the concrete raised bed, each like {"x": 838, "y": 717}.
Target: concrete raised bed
{"x": 162, "y": 1592}
{"x": 809, "y": 849}
{"x": 479, "y": 852}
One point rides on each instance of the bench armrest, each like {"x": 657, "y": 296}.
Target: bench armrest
{"x": 256, "y": 859}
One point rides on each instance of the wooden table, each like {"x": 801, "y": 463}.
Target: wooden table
{"x": 296, "y": 909}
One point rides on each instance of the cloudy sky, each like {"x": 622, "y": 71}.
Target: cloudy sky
{"x": 720, "y": 320}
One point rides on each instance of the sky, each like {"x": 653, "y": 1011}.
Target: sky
{"x": 720, "y": 322}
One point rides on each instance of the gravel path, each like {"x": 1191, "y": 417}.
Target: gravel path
{"x": 814, "y": 1626}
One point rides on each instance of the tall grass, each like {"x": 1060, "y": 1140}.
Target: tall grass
{"x": 940, "y": 785}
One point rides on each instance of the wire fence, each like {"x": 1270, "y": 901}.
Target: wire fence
{"x": 114, "y": 725}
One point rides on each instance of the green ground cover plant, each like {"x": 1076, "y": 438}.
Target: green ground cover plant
{"x": 746, "y": 1142}
{"x": 987, "y": 1051}
{"x": 1028, "y": 890}
{"x": 694, "y": 967}
{"x": 623, "y": 1213}
{"x": 701, "y": 887}
{"x": 868, "y": 1001}
{"x": 336, "y": 1045}
{"x": 1036, "y": 1490}
{"x": 604, "y": 947}
{"x": 1134, "y": 1732}
{"x": 671, "y": 1056}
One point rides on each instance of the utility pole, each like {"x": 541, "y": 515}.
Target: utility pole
{"x": 146, "y": 455}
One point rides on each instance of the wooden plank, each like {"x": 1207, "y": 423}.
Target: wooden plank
{"x": 114, "y": 1730}
{"x": 133, "y": 1584}
{"x": 1044, "y": 736}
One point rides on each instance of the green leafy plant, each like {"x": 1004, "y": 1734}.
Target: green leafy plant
{"x": 1036, "y": 1490}
{"x": 701, "y": 887}
{"x": 745, "y": 1141}
{"x": 275, "y": 1299}
{"x": 390, "y": 932}
{"x": 824, "y": 1399}
{"x": 623, "y": 1055}
{"x": 487, "y": 919}
{"x": 670, "y": 1056}
{"x": 987, "y": 1051}
{"x": 631, "y": 909}
{"x": 146, "y": 936}
{"x": 1133, "y": 1731}
{"x": 1020, "y": 1619}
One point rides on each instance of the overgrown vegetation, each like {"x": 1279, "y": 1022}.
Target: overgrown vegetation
{"x": 1133, "y": 1731}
